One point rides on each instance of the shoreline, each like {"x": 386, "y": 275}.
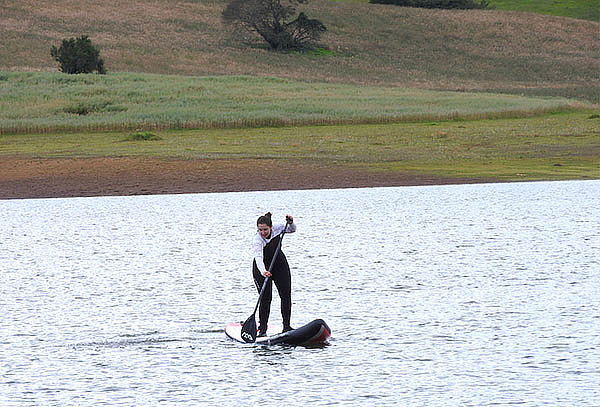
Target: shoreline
{"x": 89, "y": 177}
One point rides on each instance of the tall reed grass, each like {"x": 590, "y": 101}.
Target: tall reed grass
{"x": 53, "y": 102}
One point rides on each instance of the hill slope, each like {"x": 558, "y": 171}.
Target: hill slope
{"x": 372, "y": 44}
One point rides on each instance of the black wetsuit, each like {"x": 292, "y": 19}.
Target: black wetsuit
{"x": 283, "y": 281}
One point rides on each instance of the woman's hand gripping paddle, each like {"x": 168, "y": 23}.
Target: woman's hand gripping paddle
{"x": 249, "y": 328}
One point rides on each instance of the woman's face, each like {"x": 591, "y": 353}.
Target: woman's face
{"x": 264, "y": 230}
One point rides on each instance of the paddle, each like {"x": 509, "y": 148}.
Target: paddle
{"x": 249, "y": 328}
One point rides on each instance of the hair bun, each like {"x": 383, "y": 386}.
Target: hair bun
{"x": 265, "y": 220}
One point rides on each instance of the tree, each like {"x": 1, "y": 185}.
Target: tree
{"x": 273, "y": 21}
{"x": 78, "y": 55}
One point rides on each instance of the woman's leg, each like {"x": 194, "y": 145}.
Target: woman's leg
{"x": 265, "y": 302}
{"x": 283, "y": 282}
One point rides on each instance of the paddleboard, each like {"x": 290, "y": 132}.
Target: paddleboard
{"x": 314, "y": 333}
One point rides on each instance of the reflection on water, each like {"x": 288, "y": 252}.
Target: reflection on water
{"x": 453, "y": 295}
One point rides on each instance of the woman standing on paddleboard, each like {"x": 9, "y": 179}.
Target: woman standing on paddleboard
{"x": 264, "y": 246}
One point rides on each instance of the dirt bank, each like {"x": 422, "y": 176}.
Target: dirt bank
{"x": 28, "y": 178}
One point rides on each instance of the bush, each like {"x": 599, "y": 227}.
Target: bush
{"x": 445, "y": 4}
{"x": 85, "y": 108}
{"x": 78, "y": 55}
{"x": 273, "y": 21}
{"x": 142, "y": 136}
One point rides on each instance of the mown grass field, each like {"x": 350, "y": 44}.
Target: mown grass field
{"x": 554, "y": 146}
{"x": 51, "y": 102}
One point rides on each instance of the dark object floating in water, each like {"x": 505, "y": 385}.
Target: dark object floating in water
{"x": 314, "y": 333}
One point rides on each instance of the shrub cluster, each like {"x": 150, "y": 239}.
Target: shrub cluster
{"x": 445, "y": 4}
{"x": 142, "y": 136}
{"x": 78, "y": 55}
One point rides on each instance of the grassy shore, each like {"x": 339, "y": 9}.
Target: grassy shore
{"x": 548, "y": 147}
{"x": 50, "y": 102}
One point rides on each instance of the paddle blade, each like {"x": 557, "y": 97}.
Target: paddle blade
{"x": 249, "y": 330}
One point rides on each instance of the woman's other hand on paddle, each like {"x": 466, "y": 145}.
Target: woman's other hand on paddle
{"x": 267, "y": 274}
{"x": 289, "y": 219}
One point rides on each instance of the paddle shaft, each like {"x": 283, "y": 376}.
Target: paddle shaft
{"x": 264, "y": 286}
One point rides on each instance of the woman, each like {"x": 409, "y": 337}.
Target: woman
{"x": 264, "y": 245}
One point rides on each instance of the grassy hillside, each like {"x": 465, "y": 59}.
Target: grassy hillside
{"x": 50, "y": 102}
{"x": 478, "y": 50}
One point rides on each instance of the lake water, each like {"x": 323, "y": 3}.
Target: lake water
{"x": 470, "y": 295}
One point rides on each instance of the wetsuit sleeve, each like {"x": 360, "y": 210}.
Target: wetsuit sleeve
{"x": 277, "y": 229}
{"x": 257, "y": 253}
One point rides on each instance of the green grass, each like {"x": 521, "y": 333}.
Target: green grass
{"x": 549, "y": 147}
{"x": 52, "y": 102}
{"x": 584, "y": 9}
